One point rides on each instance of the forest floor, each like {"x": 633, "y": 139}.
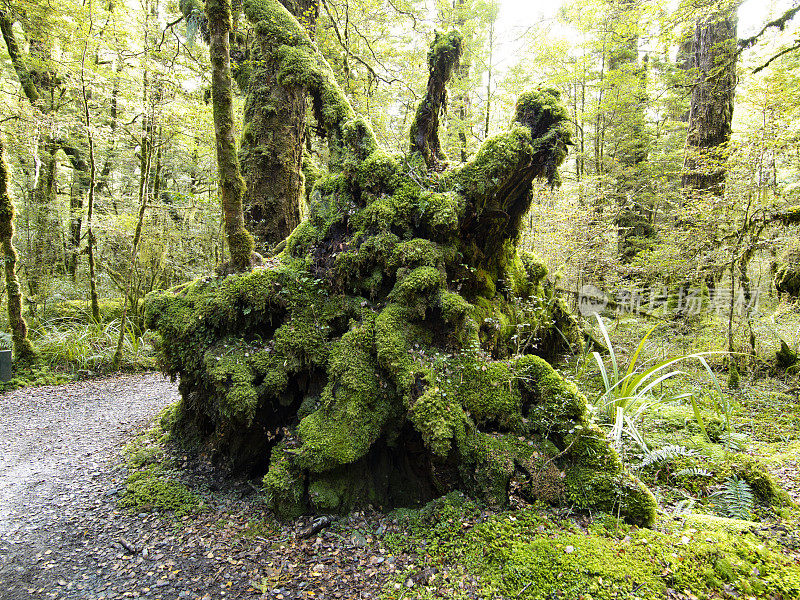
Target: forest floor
{"x": 64, "y": 535}
{"x": 72, "y": 526}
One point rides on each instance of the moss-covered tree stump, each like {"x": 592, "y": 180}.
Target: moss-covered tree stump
{"x": 395, "y": 350}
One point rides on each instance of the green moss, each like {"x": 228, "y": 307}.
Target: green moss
{"x": 377, "y": 172}
{"x": 762, "y": 483}
{"x": 394, "y": 335}
{"x": 419, "y": 286}
{"x": 241, "y": 245}
{"x": 482, "y": 178}
{"x": 152, "y": 488}
{"x": 399, "y": 318}
{"x": 527, "y": 555}
{"x": 453, "y": 307}
{"x": 355, "y": 406}
{"x": 284, "y": 484}
{"x": 439, "y": 419}
{"x": 490, "y": 391}
{"x": 230, "y": 373}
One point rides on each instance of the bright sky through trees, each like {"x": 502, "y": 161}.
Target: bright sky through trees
{"x": 520, "y": 14}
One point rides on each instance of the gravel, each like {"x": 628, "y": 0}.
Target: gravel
{"x": 62, "y": 535}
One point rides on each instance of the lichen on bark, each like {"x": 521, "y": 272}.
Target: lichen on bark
{"x": 396, "y": 348}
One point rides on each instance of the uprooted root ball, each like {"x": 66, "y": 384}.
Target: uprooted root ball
{"x": 395, "y": 350}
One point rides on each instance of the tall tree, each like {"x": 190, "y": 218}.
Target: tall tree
{"x": 231, "y": 184}
{"x": 274, "y": 134}
{"x": 626, "y": 100}
{"x": 23, "y": 350}
{"x": 713, "y": 56}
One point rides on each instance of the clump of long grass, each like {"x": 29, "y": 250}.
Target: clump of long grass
{"x": 87, "y": 345}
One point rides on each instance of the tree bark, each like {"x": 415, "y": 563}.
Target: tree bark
{"x": 711, "y": 109}
{"x": 231, "y": 184}
{"x": 273, "y": 138}
{"x": 23, "y": 350}
{"x": 444, "y": 57}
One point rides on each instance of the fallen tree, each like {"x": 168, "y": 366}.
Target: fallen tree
{"x": 396, "y": 348}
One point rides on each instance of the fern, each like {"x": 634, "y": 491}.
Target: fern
{"x": 666, "y": 454}
{"x": 693, "y": 472}
{"x": 735, "y": 498}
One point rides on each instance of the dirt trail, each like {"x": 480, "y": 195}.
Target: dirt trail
{"x": 58, "y": 485}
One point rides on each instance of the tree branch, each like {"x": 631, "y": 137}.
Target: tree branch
{"x": 792, "y": 48}
{"x": 780, "y": 23}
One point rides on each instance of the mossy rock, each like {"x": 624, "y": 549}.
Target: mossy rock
{"x": 374, "y": 361}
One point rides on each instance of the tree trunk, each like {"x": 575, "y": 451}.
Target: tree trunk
{"x": 231, "y": 184}
{"x": 444, "y": 57}
{"x": 291, "y": 370}
{"x": 272, "y": 139}
{"x": 90, "y": 204}
{"x": 711, "y": 109}
{"x": 145, "y": 164}
{"x": 23, "y": 350}
{"x": 45, "y": 252}
{"x": 77, "y": 190}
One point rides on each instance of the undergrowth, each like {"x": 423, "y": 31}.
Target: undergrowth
{"x": 537, "y": 554}
{"x": 76, "y": 345}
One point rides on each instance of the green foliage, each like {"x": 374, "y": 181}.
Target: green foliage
{"x": 76, "y": 345}
{"x": 736, "y": 499}
{"x": 665, "y": 454}
{"x": 528, "y": 554}
{"x": 630, "y": 393}
{"x": 81, "y": 311}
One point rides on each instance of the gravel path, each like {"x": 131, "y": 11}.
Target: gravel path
{"x": 62, "y": 535}
{"x": 58, "y": 520}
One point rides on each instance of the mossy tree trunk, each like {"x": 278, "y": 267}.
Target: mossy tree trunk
{"x": 389, "y": 353}
{"x": 78, "y": 189}
{"x": 231, "y": 184}
{"x": 444, "y": 58}
{"x": 23, "y": 350}
{"x": 273, "y": 137}
{"x": 713, "y": 62}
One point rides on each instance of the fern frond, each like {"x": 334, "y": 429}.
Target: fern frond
{"x": 736, "y": 498}
{"x": 693, "y": 472}
{"x": 666, "y": 454}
